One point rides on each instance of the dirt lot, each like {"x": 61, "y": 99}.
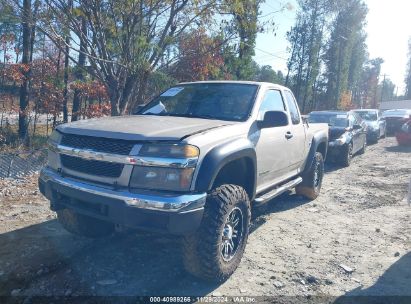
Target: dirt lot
{"x": 296, "y": 248}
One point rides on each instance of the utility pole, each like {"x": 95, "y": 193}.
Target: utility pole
{"x": 383, "y": 86}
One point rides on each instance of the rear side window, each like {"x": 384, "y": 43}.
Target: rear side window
{"x": 273, "y": 101}
{"x": 292, "y": 107}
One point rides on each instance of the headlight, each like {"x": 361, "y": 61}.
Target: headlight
{"x": 161, "y": 178}
{"x": 52, "y": 156}
{"x": 167, "y": 150}
{"x": 341, "y": 141}
{"x": 164, "y": 177}
{"x": 54, "y": 138}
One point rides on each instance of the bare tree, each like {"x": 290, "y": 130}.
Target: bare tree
{"x": 26, "y": 20}
{"x": 125, "y": 40}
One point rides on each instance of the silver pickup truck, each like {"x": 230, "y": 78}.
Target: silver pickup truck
{"x": 192, "y": 162}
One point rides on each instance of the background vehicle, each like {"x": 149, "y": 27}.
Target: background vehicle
{"x": 395, "y": 119}
{"x": 192, "y": 163}
{"x": 403, "y": 136}
{"x": 347, "y": 134}
{"x": 376, "y": 125}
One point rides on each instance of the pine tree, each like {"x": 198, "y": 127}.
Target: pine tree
{"x": 343, "y": 56}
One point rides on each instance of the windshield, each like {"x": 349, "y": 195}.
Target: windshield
{"x": 368, "y": 115}
{"x": 333, "y": 120}
{"x": 223, "y": 101}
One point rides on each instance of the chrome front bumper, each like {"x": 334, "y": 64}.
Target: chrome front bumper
{"x": 168, "y": 203}
{"x": 168, "y": 213}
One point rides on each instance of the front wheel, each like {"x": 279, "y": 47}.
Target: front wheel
{"x": 364, "y": 146}
{"x": 312, "y": 180}
{"x": 347, "y": 155}
{"x": 384, "y": 134}
{"x": 214, "y": 252}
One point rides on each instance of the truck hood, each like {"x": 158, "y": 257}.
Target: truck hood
{"x": 142, "y": 127}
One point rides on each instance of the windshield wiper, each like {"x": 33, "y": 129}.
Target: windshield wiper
{"x": 204, "y": 116}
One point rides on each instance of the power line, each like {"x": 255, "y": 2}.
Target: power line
{"x": 273, "y": 55}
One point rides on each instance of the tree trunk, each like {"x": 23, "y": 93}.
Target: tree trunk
{"x": 66, "y": 67}
{"x": 65, "y": 80}
{"x": 79, "y": 72}
{"x": 24, "y": 88}
{"x": 142, "y": 89}
{"x": 114, "y": 95}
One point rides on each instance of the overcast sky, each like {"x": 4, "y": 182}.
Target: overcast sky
{"x": 388, "y": 28}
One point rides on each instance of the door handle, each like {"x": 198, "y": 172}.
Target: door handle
{"x": 289, "y": 135}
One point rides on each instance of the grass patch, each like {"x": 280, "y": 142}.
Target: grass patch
{"x": 10, "y": 141}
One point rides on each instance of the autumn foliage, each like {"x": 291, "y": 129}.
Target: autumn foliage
{"x": 200, "y": 57}
{"x": 94, "y": 97}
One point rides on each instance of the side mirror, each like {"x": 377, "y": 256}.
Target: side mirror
{"x": 273, "y": 119}
{"x": 357, "y": 127}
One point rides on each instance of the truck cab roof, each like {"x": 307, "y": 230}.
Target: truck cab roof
{"x": 257, "y": 83}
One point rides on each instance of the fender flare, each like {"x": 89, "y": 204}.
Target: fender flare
{"x": 317, "y": 140}
{"x": 221, "y": 155}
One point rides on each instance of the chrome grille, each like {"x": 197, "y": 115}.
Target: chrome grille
{"x": 99, "y": 144}
{"x": 92, "y": 167}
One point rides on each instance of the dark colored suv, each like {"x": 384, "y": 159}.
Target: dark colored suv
{"x": 347, "y": 134}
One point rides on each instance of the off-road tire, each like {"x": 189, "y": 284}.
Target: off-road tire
{"x": 312, "y": 179}
{"x": 202, "y": 249}
{"x": 347, "y": 155}
{"x": 84, "y": 225}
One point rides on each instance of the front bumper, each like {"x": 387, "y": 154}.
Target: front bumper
{"x": 169, "y": 213}
{"x": 373, "y": 135}
{"x": 335, "y": 151}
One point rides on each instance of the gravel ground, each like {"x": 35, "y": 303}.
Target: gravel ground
{"x": 353, "y": 240}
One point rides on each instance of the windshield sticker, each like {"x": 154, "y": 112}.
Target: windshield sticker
{"x": 172, "y": 92}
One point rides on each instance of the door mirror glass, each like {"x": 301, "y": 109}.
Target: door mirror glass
{"x": 273, "y": 119}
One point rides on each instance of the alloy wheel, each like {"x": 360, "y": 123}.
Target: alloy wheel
{"x": 232, "y": 234}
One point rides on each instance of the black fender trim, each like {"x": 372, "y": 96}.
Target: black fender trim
{"x": 316, "y": 141}
{"x": 221, "y": 155}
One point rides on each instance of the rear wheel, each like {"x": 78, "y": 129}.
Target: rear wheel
{"x": 347, "y": 155}
{"x": 83, "y": 225}
{"x": 214, "y": 252}
{"x": 312, "y": 180}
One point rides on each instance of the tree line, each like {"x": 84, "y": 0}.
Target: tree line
{"x": 88, "y": 58}
{"x": 329, "y": 66}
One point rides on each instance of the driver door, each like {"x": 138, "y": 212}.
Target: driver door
{"x": 272, "y": 145}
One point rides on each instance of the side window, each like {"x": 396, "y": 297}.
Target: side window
{"x": 273, "y": 101}
{"x": 292, "y": 107}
